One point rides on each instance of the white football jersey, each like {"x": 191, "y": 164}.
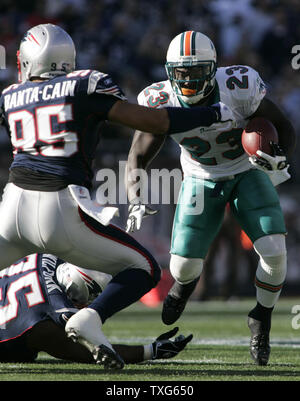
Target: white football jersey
{"x": 216, "y": 151}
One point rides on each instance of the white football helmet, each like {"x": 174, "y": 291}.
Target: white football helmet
{"x": 191, "y": 66}
{"x": 82, "y": 286}
{"x": 45, "y": 51}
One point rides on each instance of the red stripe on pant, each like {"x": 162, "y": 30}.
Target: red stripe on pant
{"x": 98, "y": 232}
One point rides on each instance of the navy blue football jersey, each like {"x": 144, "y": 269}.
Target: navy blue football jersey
{"x": 54, "y": 127}
{"x": 29, "y": 293}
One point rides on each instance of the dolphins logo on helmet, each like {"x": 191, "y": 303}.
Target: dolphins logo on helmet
{"x": 191, "y": 66}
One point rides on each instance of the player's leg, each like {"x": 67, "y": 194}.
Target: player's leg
{"x": 108, "y": 249}
{"x": 193, "y": 232}
{"x": 12, "y": 246}
{"x": 48, "y": 337}
{"x": 10, "y": 252}
{"x": 68, "y": 232}
{"x": 112, "y": 250}
{"x": 256, "y": 206}
{"x": 139, "y": 273}
{"x": 270, "y": 276}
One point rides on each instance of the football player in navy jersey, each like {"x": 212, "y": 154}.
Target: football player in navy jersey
{"x": 53, "y": 117}
{"x": 38, "y": 295}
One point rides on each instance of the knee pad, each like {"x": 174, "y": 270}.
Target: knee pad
{"x": 272, "y": 252}
{"x": 270, "y": 245}
{"x": 272, "y": 267}
{"x": 185, "y": 270}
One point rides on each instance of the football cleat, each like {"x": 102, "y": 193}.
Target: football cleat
{"x": 85, "y": 328}
{"x": 107, "y": 357}
{"x": 172, "y": 309}
{"x": 259, "y": 343}
{"x": 176, "y": 300}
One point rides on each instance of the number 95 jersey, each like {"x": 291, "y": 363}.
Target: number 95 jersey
{"x": 54, "y": 127}
{"x": 216, "y": 151}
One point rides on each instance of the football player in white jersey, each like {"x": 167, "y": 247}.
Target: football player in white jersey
{"x": 216, "y": 167}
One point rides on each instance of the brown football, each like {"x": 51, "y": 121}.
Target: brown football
{"x": 257, "y": 135}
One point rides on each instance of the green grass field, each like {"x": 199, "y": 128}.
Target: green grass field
{"x": 218, "y": 352}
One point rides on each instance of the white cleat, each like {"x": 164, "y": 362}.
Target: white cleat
{"x": 85, "y": 328}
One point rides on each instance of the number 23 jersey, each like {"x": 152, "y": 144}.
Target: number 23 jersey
{"x": 215, "y": 151}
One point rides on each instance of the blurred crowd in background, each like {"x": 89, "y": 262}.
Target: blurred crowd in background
{"x": 129, "y": 39}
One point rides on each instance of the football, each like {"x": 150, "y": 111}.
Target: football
{"x": 257, "y": 135}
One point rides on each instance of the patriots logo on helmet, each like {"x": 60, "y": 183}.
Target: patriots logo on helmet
{"x": 29, "y": 36}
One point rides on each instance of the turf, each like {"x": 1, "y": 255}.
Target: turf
{"x": 219, "y": 350}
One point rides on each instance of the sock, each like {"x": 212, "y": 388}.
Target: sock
{"x": 271, "y": 270}
{"x": 123, "y": 290}
{"x": 263, "y": 315}
{"x": 183, "y": 291}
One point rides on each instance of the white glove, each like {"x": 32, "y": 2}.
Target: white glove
{"x": 224, "y": 112}
{"x": 275, "y": 166}
{"x": 135, "y": 215}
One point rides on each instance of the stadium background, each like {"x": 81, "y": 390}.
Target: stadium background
{"x": 129, "y": 39}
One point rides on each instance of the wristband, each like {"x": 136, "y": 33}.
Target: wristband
{"x": 183, "y": 119}
{"x": 148, "y": 352}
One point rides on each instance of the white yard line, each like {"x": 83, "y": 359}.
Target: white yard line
{"x": 243, "y": 341}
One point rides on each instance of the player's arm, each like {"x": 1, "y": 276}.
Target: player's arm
{"x": 162, "y": 348}
{"x": 168, "y": 120}
{"x": 275, "y": 165}
{"x": 99, "y": 95}
{"x": 286, "y": 132}
{"x": 144, "y": 148}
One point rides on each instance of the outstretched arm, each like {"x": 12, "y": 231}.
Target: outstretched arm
{"x": 168, "y": 120}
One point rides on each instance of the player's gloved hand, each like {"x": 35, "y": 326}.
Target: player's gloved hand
{"x": 224, "y": 112}
{"x": 164, "y": 348}
{"x": 136, "y": 212}
{"x": 275, "y": 165}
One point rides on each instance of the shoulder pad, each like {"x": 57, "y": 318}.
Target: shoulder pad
{"x": 102, "y": 83}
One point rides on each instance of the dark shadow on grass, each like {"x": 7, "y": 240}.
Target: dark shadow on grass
{"x": 168, "y": 371}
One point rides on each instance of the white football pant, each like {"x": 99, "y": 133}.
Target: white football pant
{"x": 52, "y": 222}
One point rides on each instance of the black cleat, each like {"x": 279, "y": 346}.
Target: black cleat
{"x": 176, "y": 300}
{"x": 107, "y": 357}
{"x": 101, "y": 353}
{"x": 172, "y": 309}
{"x": 259, "y": 343}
